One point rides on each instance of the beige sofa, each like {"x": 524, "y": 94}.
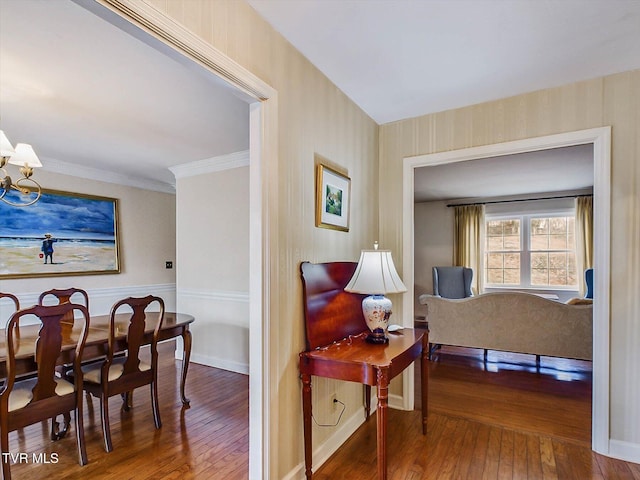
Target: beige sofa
{"x": 513, "y": 322}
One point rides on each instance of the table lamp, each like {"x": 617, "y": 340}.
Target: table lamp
{"x": 376, "y": 275}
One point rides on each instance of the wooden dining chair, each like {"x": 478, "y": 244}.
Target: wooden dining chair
{"x": 43, "y": 396}
{"x": 121, "y": 375}
{"x": 65, "y": 296}
{"x": 11, "y": 297}
{"x": 16, "y": 304}
{"x": 61, "y": 296}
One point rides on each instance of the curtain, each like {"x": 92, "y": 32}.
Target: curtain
{"x": 468, "y": 241}
{"x": 584, "y": 238}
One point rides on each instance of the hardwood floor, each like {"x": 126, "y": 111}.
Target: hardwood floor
{"x": 500, "y": 420}
{"x": 209, "y": 440}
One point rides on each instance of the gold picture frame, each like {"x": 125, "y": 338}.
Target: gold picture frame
{"x": 333, "y": 199}
{"x": 63, "y": 234}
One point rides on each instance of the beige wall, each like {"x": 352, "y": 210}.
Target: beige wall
{"x": 612, "y": 100}
{"x": 213, "y": 265}
{"x": 433, "y": 245}
{"x": 147, "y": 225}
{"x": 314, "y": 118}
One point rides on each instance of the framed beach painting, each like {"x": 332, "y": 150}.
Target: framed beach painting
{"x": 62, "y": 234}
{"x": 333, "y": 199}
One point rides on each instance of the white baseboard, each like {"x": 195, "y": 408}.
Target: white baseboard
{"x": 627, "y": 451}
{"x": 216, "y": 362}
{"x": 322, "y": 453}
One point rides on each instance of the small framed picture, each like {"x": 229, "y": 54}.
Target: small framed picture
{"x": 333, "y": 199}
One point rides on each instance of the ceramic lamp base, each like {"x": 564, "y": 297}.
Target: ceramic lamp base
{"x": 377, "y": 310}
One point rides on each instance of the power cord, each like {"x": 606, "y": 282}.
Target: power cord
{"x": 335, "y": 400}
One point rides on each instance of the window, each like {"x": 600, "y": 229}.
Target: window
{"x": 530, "y": 251}
{"x": 504, "y": 251}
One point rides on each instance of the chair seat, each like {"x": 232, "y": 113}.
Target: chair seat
{"x": 93, "y": 373}
{"x": 22, "y": 392}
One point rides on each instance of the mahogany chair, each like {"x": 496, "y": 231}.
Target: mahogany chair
{"x": 13, "y": 298}
{"x": 63, "y": 296}
{"x": 121, "y": 375}
{"x": 41, "y": 397}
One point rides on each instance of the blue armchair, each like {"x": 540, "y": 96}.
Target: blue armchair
{"x": 588, "y": 280}
{"x": 452, "y": 282}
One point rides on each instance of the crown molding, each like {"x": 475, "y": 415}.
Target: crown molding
{"x": 81, "y": 171}
{"x": 214, "y": 164}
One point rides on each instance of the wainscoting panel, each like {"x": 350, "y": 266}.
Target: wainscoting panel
{"x": 221, "y": 330}
{"x": 100, "y": 299}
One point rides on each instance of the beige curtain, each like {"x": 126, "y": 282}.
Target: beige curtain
{"x": 468, "y": 241}
{"x": 584, "y": 238}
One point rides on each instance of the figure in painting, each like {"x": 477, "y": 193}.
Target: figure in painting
{"x": 47, "y": 247}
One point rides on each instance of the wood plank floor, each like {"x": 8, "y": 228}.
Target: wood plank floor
{"x": 209, "y": 440}
{"x": 503, "y": 419}
{"x": 497, "y": 420}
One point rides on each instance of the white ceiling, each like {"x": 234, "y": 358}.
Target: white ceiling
{"x": 88, "y": 95}
{"x": 91, "y": 98}
{"x": 405, "y": 58}
{"x": 567, "y": 169}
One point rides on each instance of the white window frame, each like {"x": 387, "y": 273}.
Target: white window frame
{"x": 525, "y": 251}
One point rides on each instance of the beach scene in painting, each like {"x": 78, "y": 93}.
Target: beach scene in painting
{"x": 72, "y": 234}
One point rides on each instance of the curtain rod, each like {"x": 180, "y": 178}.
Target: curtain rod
{"x": 519, "y": 200}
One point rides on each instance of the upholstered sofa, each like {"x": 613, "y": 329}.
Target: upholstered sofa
{"x": 513, "y": 322}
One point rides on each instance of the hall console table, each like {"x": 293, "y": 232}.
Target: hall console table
{"x": 336, "y": 348}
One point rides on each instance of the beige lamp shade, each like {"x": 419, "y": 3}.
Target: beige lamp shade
{"x": 6, "y": 149}
{"x": 25, "y": 156}
{"x": 375, "y": 274}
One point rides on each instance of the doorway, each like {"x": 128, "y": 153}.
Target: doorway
{"x": 141, "y": 19}
{"x": 601, "y": 140}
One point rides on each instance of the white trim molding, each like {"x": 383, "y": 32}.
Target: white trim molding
{"x": 209, "y": 165}
{"x": 601, "y": 140}
{"x": 101, "y": 299}
{"x": 90, "y": 173}
{"x": 221, "y": 295}
{"x": 627, "y": 451}
{"x": 217, "y": 362}
{"x": 322, "y": 452}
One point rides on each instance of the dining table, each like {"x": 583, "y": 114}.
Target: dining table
{"x": 174, "y": 325}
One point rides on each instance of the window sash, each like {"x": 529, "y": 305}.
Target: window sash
{"x": 530, "y": 277}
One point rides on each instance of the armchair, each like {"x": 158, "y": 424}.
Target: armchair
{"x": 452, "y": 282}
{"x": 588, "y": 280}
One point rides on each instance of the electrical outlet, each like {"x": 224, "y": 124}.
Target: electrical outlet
{"x": 168, "y": 264}
{"x": 334, "y": 402}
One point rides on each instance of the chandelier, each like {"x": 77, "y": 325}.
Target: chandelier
{"x": 23, "y": 156}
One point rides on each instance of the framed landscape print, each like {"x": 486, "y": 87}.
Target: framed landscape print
{"x": 333, "y": 199}
{"x": 62, "y": 234}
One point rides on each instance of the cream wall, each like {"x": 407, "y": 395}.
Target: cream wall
{"x": 147, "y": 225}
{"x": 433, "y": 245}
{"x": 313, "y": 118}
{"x": 613, "y": 100}
{"x": 213, "y": 265}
